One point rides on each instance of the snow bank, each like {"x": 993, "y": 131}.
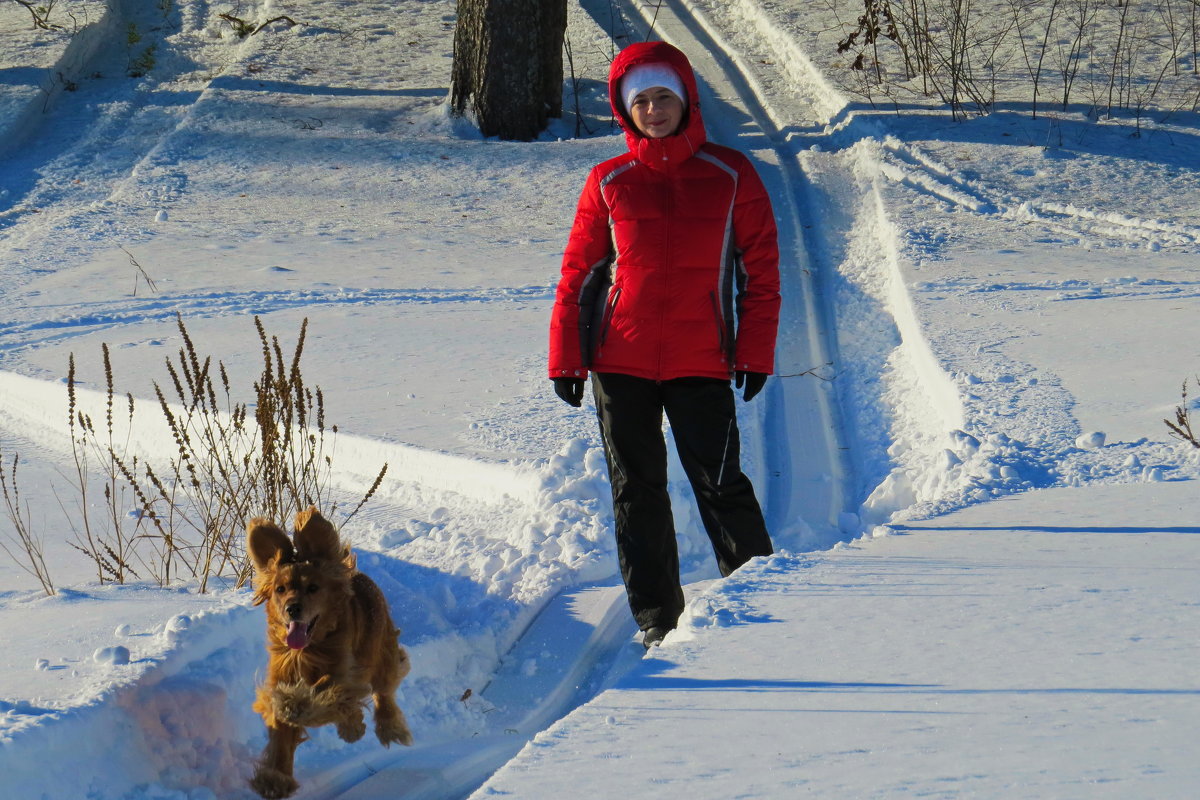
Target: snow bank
{"x": 23, "y": 103}
{"x": 901, "y": 405}
{"x": 180, "y": 711}
{"x": 181, "y": 707}
{"x": 463, "y": 586}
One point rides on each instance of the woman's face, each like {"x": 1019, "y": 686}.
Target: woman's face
{"x": 657, "y": 112}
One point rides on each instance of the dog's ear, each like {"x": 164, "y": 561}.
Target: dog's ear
{"x": 265, "y": 541}
{"x": 316, "y": 537}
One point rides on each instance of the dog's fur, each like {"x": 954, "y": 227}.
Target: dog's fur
{"x": 331, "y": 643}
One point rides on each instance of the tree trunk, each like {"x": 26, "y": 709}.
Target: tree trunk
{"x": 508, "y": 64}
{"x": 553, "y": 30}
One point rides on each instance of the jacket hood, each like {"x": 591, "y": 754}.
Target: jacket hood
{"x": 662, "y": 154}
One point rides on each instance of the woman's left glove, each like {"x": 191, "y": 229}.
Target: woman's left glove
{"x": 571, "y": 390}
{"x": 754, "y": 382}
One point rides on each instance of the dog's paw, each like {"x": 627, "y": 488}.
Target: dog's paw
{"x": 393, "y": 730}
{"x": 351, "y": 729}
{"x": 271, "y": 784}
{"x": 292, "y": 704}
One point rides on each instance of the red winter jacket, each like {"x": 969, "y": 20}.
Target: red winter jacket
{"x": 672, "y": 266}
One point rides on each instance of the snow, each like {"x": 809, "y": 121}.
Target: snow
{"x": 984, "y": 582}
{"x": 1044, "y": 657}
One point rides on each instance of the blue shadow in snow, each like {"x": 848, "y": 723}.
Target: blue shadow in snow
{"x": 1052, "y": 528}
{"x": 427, "y": 603}
{"x": 653, "y": 683}
{"x": 22, "y": 76}
{"x": 1114, "y": 690}
{"x": 649, "y": 678}
{"x": 252, "y": 84}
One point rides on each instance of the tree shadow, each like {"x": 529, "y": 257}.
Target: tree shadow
{"x": 679, "y": 684}
{"x": 651, "y": 677}
{"x": 1060, "y": 133}
{"x": 1135, "y": 529}
{"x": 241, "y": 83}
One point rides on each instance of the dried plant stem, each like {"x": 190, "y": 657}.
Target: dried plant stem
{"x": 1128, "y": 58}
{"x": 26, "y": 551}
{"x": 1181, "y": 428}
{"x": 179, "y": 515}
{"x": 226, "y": 465}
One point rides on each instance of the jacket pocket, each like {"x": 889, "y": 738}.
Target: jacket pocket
{"x": 606, "y": 322}
{"x": 725, "y": 340}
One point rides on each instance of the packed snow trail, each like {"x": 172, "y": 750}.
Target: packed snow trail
{"x": 566, "y": 657}
{"x": 1022, "y": 648}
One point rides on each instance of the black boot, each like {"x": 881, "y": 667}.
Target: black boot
{"x": 654, "y": 636}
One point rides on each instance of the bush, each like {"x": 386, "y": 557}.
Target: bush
{"x": 181, "y": 515}
{"x": 1181, "y": 428}
{"x": 1119, "y": 57}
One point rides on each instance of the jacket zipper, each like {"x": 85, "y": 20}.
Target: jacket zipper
{"x": 666, "y": 295}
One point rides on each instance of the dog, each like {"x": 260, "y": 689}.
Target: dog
{"x": 331, "y": 643}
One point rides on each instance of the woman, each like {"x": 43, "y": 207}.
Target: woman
{"x": 669, "y": 289}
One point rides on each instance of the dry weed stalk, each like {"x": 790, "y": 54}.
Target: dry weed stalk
{"x": 106, "y": 539}
{"x": 1127, "y": 58}
{"x": 26, "y": 551}
{"x": 1181, "y": 428}
{"x": 180, "y": 515}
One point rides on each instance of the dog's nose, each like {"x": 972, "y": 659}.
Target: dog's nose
{"x": 294, "y": 610}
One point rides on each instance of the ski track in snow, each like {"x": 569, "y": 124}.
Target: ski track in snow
{"x": 823, "y": 117}
{"x": 906, "y": 164}
{"x": 84, "y": 136}
{"x": 55, "y": 322}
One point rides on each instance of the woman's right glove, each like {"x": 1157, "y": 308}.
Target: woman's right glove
{"x": 570, "y": 390}
{"x": 754, "y": 383}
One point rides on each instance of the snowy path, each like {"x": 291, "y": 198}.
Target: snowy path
{"x": 567, "y": 656}
{"x": 587, "y": 633}
{"x": 1022, "y": 648}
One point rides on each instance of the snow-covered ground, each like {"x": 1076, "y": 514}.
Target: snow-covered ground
{"x": 986, "y": 577}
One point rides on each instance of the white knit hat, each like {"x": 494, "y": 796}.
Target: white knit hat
{"x": 646, "y": 76}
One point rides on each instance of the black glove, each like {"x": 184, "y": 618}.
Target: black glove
{"x": 571, "y": 390}
{"x": 754, "y": 382}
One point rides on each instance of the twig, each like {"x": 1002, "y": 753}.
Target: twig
{"x": 282, "y": 17}
{"x": 809, "y": 372}
{"x": 34, "y": 561}
{"x": 1181, "y": 428}
{"x": 41, "y": 15}
{"x": 244, "y": 29}
{"x": 145, "y": 276}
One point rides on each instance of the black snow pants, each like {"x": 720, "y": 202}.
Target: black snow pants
{"x": 704, "y": 426}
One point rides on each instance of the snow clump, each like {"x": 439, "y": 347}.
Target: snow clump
{"x": 113, "y": 656}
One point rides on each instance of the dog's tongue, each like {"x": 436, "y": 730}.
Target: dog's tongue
{"x": 297, "y": 635}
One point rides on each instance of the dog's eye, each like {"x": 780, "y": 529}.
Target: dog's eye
{"x": 312, "y": 588}
{"x": 280, "y": 589}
